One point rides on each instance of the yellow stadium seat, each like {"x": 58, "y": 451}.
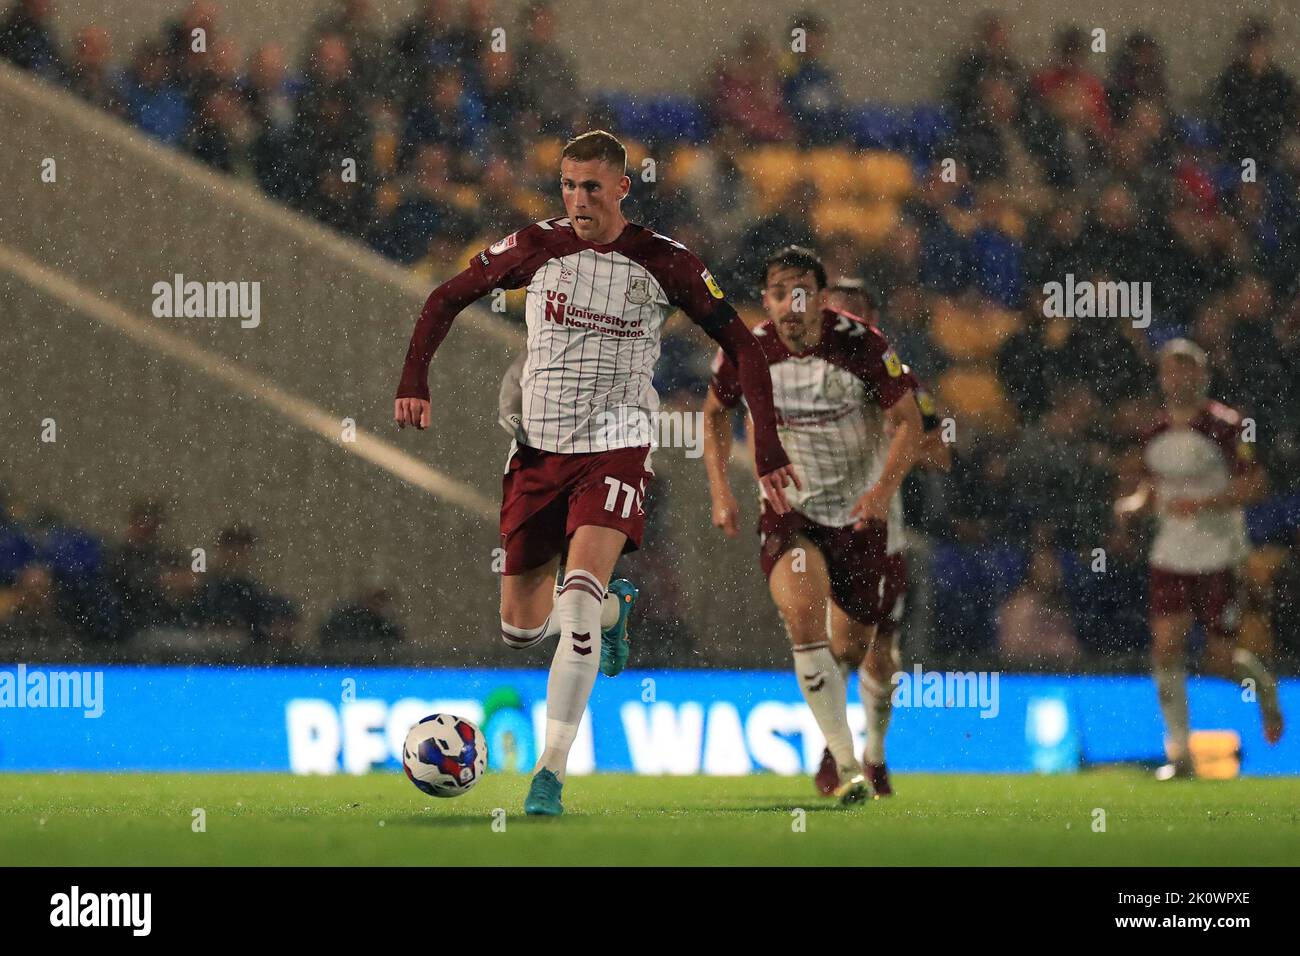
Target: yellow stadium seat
{"x": 884, "y": 175}
{"x": 684, "y": 164}
{"x": 546, "y": 155}
{"x": 969, "y": 335}
{"x": 772, "y": 171}
{"x": 835, "y": 172}
{"x": 974, "y": 394}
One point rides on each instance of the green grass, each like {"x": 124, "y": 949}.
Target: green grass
{"x": 89, "y": 819}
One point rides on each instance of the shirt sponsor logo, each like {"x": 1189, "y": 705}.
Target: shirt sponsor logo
{"x": 714, "y": 289}
{"x": 501, "y": 246}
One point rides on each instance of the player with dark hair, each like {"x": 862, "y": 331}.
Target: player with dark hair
{"x": 1201, "y": 473}
{"x": 599, "y": 291}
{"x": 838, "y": 387}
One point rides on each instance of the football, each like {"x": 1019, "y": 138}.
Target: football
{"x": 444, "y": 755}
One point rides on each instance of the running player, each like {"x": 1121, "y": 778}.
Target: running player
{"x": 837, "y": 385}
{"x": 1201, "y": 473}
{"x": 881, "y": 658}
{"x": 599, "y": 291}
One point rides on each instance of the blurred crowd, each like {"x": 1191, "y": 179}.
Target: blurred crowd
{"x": 429, "y": 141}
{"x": 62, "y": 586}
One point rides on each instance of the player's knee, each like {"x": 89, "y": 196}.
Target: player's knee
{"x": 803, "y": 626}
{"x": 520, "y": 638}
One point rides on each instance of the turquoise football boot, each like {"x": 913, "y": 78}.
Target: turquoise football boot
{"x": 543, "y": 798}
{"x": 614, "y": 646}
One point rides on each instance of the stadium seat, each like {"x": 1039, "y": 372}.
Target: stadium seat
{"x": 966, "y": 335}
{"x": 835, "y": 171}
{"x": 975, "y": 395}
{"x": 884, "y": 175}
{"x": 546, "y": 155}
{"x": 772, "y": 171}
{"x": 870, "y": 224}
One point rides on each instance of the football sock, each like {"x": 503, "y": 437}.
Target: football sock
{"x": 822, "y": 683}
{"x": 522, "y": 637}
{"x": 1171, "y": 688}
{"x": 1246, "y": 665}
{"x": 878, "y": 701}
{"x": 573, "y": 668}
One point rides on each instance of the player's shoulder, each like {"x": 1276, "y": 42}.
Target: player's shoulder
{"x": 1220, "y": 416}
{"x": 849, "y": 335}
{"x": 671, "y": 261}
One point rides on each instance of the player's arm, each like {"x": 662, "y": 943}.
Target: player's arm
{"x": 412, "y": 406}
{"x": 692, "y": 289}
{"x": 1135, "y": 503}
{"x": 903, "y": 418}
{"x": 506, "y": 265}
{"x": 717, "y": 447}
{"x": 934, "y": 453}
{"x": 1245, "y": 488}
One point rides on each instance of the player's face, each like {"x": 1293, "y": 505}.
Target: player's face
{"x": 1182, "y": 381}
{"x": 792, "y": 300}
{"x": 592, "y": 191}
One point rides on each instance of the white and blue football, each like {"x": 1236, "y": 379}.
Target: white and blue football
{"x": 444, "y": 755}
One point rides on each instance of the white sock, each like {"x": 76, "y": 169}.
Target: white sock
{"x": 523, "y": 637}
{"x": 573, "y": 668}
{"x": 823, "y": 688}
{"x": 1171, "y": 688}
{"x": 1246, "y": 665}
{"x": 878, "y": 701}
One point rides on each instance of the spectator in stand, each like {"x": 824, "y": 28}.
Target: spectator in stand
{"x": 788, "y": 223}
{"x": 446, "y": 114}
{"x": 27, "y": 39}
{"x": 353, "y": 20}
{"x": 551, "y": 72}
{"x": 368, "y": 619}
{"x": 939, "y": 211}
{"x": 505, "y": 101}
{"x": 153, "y": 102}
{"x": 331, "y": 134}
{"x": 231, "y": 598}
{"x": 91, "y": 74}
{"x": 810, "y": 90}
{"x": 1071, "y": 87}
{"x": 990, "y": 56}
{"x": 186, "y": 45}
{"x": 428, "y": 211}
{"x": 745, "y": 93}
{"x": 29, "y": 611}
{"x": 1138, "y": 76}
{"x": 270, "y": 109}
{"x": 1254, "y": 99}
{"x": 1027, "y": 363}
{"x": 425, "y": 40}
{"x": 220, "y": 132}
{"x": 150, "y": 582}
{"x": 1035, "y": 628}
{"x": 472, "y": 37}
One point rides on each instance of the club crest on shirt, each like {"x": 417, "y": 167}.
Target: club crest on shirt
{"x": 638, "y": 290}
{"x": 502, "y": 245}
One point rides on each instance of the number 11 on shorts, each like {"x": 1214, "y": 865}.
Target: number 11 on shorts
{"x": 629, "y": 495}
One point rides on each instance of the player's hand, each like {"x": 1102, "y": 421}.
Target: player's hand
{"x": 412, "y": 411}
{"x": 726, "y": 513}
{"x": 774, "y": 484}
{"x": 872, "y": 506}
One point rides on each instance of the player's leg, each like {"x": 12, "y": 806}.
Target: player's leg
{"x": 592, "y": 555}
{"x": 1214, "y": 603}
{"x": 528, "y": 599}
{"x": 875, "y": 684}
{"x": 1171, "y": 620}
{"x": 800, "y": 586}
{"x": 851, "y": 642}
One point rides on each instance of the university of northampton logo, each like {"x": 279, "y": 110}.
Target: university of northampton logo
{"x": 638, "y": 290}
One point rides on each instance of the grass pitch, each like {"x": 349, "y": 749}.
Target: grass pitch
{"x": 272, "y": 819}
